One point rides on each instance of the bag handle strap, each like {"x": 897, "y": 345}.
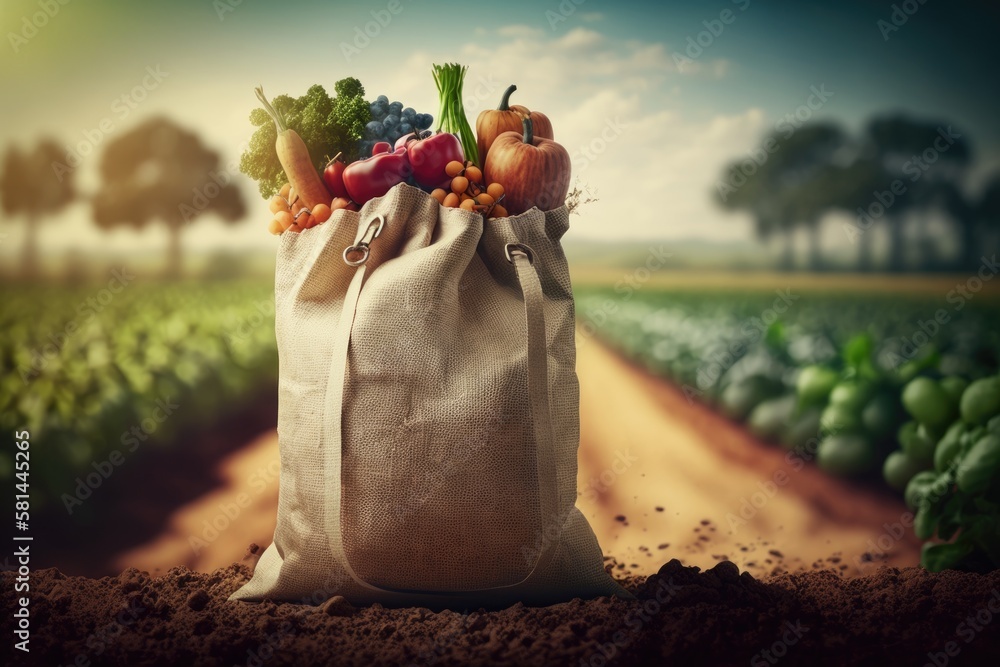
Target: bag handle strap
{"x": 522, "y": 257}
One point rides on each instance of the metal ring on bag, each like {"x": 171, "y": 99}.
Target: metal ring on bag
{"x": 518, "y": 247}
{"x": 363, "y": 249}
{"x": 362, "y": 246}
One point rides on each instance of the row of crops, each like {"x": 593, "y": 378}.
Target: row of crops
{"x": 903, "y": 391}
{"x": 97, "y": 373}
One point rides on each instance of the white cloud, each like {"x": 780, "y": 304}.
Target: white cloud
{"x": 520, "y": 31}
{"x": 579, "y": 39}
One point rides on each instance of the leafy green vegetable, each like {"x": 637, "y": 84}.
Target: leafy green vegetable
{"x": 918, "y": 488}
{"x": 899, "y": 469}
{"x": 928, "y": 402}
{"x": 815, "y": 383}
{"x": 450, "y": 79}
{"x": 949, "y": 446}
{"x": 938, "y": 557}
{"x": 327, "y": 125}
{"x": 881, "y": 415}
{"x": 981, "y": 400}
{"x": 980, "y": 465}
{"x": 846, "y": 454}
{"x": 769, "y": 418}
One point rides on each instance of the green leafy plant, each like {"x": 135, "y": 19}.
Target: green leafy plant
{"x": 958, "y": 510}
{"x": 327, "y": 125}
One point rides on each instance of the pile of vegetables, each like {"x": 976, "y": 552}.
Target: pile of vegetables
{"x": 946, "y": 456}
{"x": 326, "y": 126}
{"x": 513, "y": 165}
{"x": 952, "y": 460}
{"x": 858, "y": 405}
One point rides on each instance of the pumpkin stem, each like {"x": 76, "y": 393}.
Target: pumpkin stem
{"x": 529, "y": 131}
{"x": 505, "y": 100}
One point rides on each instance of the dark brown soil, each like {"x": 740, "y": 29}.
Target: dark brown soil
{"x": 684, "y": 615}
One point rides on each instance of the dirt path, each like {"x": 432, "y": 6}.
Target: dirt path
{"x": 723, "y": 493}
{"x": 643, "y": 447}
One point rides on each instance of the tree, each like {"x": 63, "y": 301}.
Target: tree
{"x": 745, "y": 186}
{"x": 986, "y": 213}
{"x": 162, "y": 172}
{"x": 805, "y": 174}
{"x": 790, "y": 187}
{"x": 925, "y": 158}
{"x": 852, "y": 193}
{"x": 29, "y": 185}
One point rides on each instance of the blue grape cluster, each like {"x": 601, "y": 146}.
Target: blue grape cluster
{"x": 390, "y": 121}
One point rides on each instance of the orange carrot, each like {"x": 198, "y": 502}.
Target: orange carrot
{"x": 294, "y": 158}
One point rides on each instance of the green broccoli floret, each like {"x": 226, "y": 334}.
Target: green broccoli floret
{"x": 327, "y": 126}
{"x": 350, "y": 113}
{"x": 349, "y": 87}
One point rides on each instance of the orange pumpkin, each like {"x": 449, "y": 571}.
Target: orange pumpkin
{"x": 534, "y": 171}
{"x": 491, "y": 123}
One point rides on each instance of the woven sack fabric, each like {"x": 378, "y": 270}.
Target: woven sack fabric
{"x": 428, "y": 413}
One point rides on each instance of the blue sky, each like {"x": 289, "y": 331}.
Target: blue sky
{"x": 607, "y": 70}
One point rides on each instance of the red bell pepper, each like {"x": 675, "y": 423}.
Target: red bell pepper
{"x": 375, "y": 176}
{"x": 429, "y": 156}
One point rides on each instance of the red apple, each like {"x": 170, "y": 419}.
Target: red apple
{"x": 333, "y": 176}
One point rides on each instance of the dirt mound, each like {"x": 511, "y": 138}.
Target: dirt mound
{"x": 719, "y": 616}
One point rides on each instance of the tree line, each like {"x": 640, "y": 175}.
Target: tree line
{"x": 158, "y": 172}
{"x": 899, "y": 173}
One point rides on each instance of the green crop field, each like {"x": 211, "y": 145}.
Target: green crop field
{"x": 900, "y": 388}
{"x": 96, "y": 369}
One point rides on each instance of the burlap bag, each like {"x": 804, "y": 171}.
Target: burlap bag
{"x": 428, "y": 413}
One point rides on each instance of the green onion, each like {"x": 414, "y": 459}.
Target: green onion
{"x": 449, "y": 79}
